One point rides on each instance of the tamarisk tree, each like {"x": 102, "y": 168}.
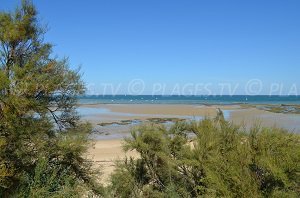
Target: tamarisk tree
{"x": 41, "y": 138}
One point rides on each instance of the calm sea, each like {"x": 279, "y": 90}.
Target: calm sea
{"x": 210, "y": 100}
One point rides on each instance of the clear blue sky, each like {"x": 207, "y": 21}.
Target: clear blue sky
{"x": 172, "y": 41}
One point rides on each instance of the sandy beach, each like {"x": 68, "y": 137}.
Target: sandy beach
{"x": 105, "y": 113}
{"x": 111, "y": 112}
{"x": 108, "y": 139}
{"x": 105, "y": 153}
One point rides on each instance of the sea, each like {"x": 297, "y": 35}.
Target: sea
{"x": 116, "y": 131}
{"x": 178, "y": 99}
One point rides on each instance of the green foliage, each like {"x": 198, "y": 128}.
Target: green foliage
{"x": 210, "y": 158}
{"x": 64, "y": 174}
{"x": 41, "y": 139}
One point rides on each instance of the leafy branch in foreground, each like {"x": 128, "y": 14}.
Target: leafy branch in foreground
{"x": 41, "y": 139}
{"x": 210, "y": 158}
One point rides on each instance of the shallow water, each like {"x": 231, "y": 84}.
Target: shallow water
{"x": 87, "y": 112}
{"x": 120, "y": 130}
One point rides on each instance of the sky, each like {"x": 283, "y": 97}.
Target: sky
{"x": 174, "y": 44}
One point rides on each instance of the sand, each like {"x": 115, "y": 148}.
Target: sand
{"x": 252, "y": 116}
{"x": 105, "y": 153}
{"x": 143, "y": 111}
{"x": 108, "y": 150}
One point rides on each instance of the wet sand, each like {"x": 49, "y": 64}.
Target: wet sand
{"x": 249, "y": 117}
{"x": 108, "y": 144}
{"x": 167, "y": 109}
{"x": 112, "y": 112}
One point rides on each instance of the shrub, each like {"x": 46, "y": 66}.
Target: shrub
{"x": 210, "y": 158}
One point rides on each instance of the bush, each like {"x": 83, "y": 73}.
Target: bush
{"x": 210, "y": 158}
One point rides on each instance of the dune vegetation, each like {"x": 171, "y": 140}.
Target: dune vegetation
{"x": 209, "y": 158}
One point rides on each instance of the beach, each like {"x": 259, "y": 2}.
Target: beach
{"x": 99, "y": 114}
{"x": 105, "y": 153}
{"x": 118, "y": 119}
{"x": 149, "y": 99}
